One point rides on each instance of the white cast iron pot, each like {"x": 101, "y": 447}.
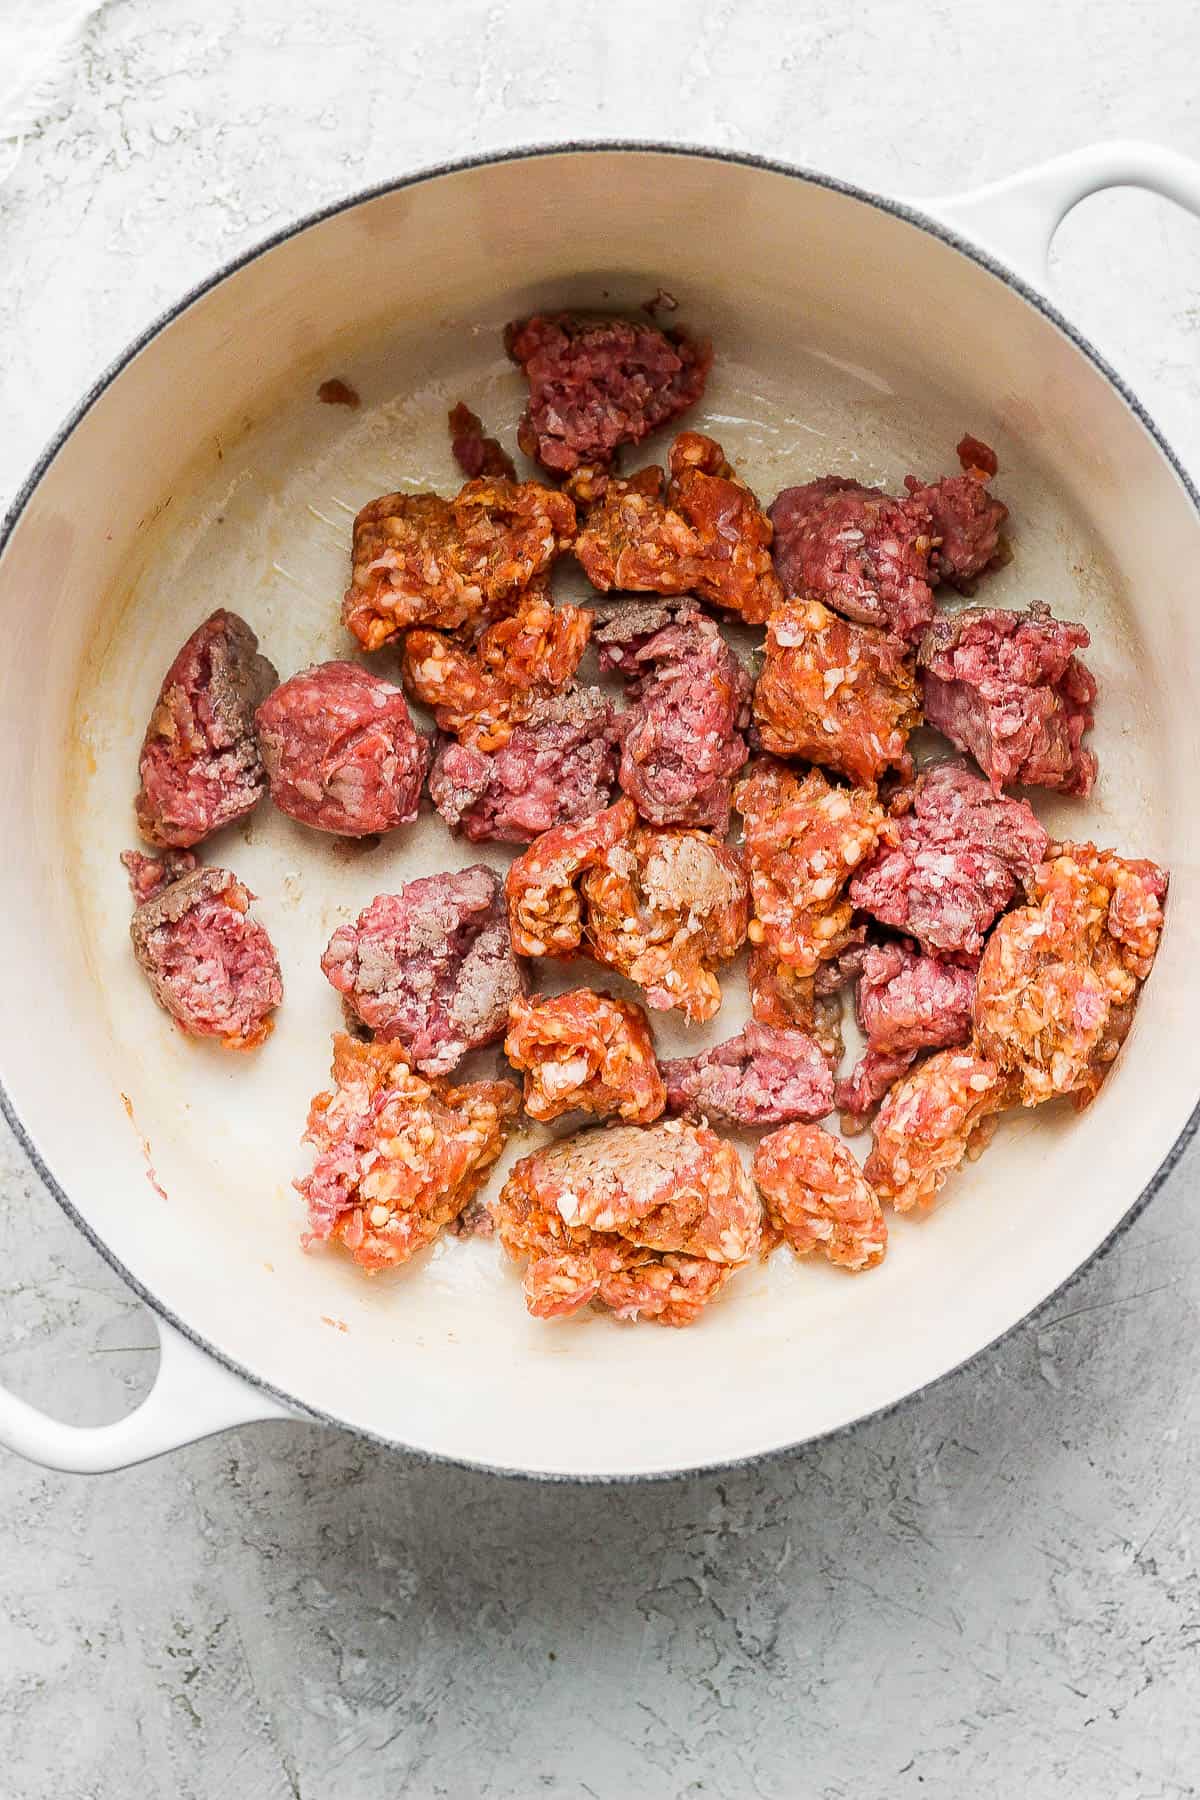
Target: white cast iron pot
{"x": 852, "y": 333}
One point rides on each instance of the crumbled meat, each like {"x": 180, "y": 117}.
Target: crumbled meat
{"x": 803, "y": 840}
{"x": 906, "y": 1003}
{"x": 957, "y": 860}
{"x": 341, "y": 751}
{"x": 148, "y": 875}
{"x": 709, "y": 536}
{"x": 200, "y": 766}
{"x": 944, "y": 1111}
{"x": 476, "y": 454}
{"x": 421, "y": 560}
{"x": 967, "y": 521}
{"x": 1060, "y": 978}
{"x": 664, "y": 907}
{"x": 977, "y": 458}
{"x": 211, "y": 966}
{"x": 859, "y": 1093}
{"x": 559, "y": 767}
{"x": 650, "y": 1221}
{"x": 585, "y": 1051}
{"x": 761, "y": 1077}
{"x": 1008, "y": 688}
{"x": 431, "y": 966}
{"x": 398, "y": 1157}
{"x": 544, "y": 907}
{"x": 834, "y": 693}
{"x": 781, "y": 997}
{"x": 861, "y": 552}
{"x": 595, "y": 384}
{"x": 817, "y": 1198}
{"x": 479, "y": 695}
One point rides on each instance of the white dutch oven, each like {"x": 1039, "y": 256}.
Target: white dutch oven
{"x": 852, "y": 333}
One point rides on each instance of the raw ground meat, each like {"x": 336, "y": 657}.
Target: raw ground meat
{"x": 558, "y": 767}
{"x": 341, "y": 752}
{"x": 595, "y": 384}
{"x": 545, "y": 911}
{"x": 709, "y": 536}
{"x": 479, "y": 695}
{"x": 1007, "y": 688}
{"x": 861, "y": 552}
{"x": 957, "y": 860}
{"x": 944, "y": 1111}
{"x": 398, "y": 1157}
{"x": 967, "y": 522}
{"x": 431, "y": 966}
{"x": 421, "y": 560}
{"x": 476, "y": 454}
{"x": 585, "y": 1051}
{"x": 803, "y": 840}
{"x": 859, "y": 1093}
{"x": 906, "y": 1002}
{"x": 782, "y": 997}
{"x": 200, "y": 767}
{"x": 761, "y": 1077}
{"x": 664, "y": 907}
{"x": 211, "y": 966}
{"x": 834, "y": 693}
{"x": 817, "y": 1198}
{"x": 148, "y": 875}
{"x": 1060, "y": 978}
{"x": 650, "y": 1221}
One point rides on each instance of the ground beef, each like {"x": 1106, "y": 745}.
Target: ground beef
{"x": 341, "y": 751}
{"x": 803, "y": 841}
{"x": 595, "y": 384}
{"x": 649, "y": 1221}
{"x": 1008, "y": 688}
{"x": 431, "y": 966}
{"x": 148, "y": 875}
{"x": 1060, "y": 978}
{"x": 585, "y": 1051}
{"x": 967, "y": 521}
{"x": 834, "y": 693}
{"x": 861, "y": 552}
{"x": 477, "y": 455}
{"x": 859, "y": 1093}
{"x": 944, "y": 1111}
{"x": 906, "y": 1003}
{"x": 479, "y": 695}
{"x": 817, "y": 1198}
{"x": 559, "y": 767}
{"x": 782, "y": 997}
{"x": 957, "y": 860}
{"x": 542, "y": 886}
{"x": 398, "y": 1157}
{"x": 708, "y": 536}
{"x": 761, "y": 1077}
{"x": 211, "y": 966}
{"x": 200, "y": 767}
{"x": 421, "y": 560}
{"x": 664, "y": 908}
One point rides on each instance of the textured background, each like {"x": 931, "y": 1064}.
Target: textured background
{"x": 994, "y": 1591}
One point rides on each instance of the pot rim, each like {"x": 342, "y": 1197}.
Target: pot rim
{"x": 458, "y": 165}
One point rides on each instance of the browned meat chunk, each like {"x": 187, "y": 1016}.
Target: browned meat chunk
{"x": 761, "y": 1077}
{"x": 649, "y": 1221}
{"x": 431, "y": 966}
{"x": 476, "y": 454}
{"x": 861, "y": 552}
{"x": 585, "y": 1051}
{"x": 422, "y": 560}
{"x": 542, "y": 886}
{"x": 709, "y": 536}
{"x": 958, "y": 859}
{"x": 211, "y": 966}
{"x": 1008, "y": 688}
{"x": 341, "y": 751}
{"x": 557, "y": 768}
{"x": 595, "y": 384}
{"x": 817, "y": 1198}
{"x": 200, "y": 767}
{"x": 837, "y": 694}
{"x": 148, "y": 875}
{"x": 398, "y": 1157}
{"x": 479, "y": 695}
{"x": 944, "y": 1111}
{"x": 906, "y": 1003}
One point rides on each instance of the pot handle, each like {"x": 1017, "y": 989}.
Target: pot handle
{"x": 1018, "y": 216}
{"x": 193, "y": 1397}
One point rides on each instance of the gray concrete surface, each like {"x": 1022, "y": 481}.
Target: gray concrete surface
{"x": 991, "y": 1593}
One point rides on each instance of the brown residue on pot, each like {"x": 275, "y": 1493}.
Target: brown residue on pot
{"x": 339, "y": 393}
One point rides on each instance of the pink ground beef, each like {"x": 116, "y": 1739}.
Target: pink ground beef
{"x": 200, "y": 766}
{"x": 558, "y": 767}
{"x": 958, "y": 859}
{"x": 863, "y": 553}
{"x": 341, "y": 751}
{"x": 430, "y": 967}
{"x": 475, "y": 453}
{"x": 1008, "y": 688}
{"x": 906, "y": 1002}
{"x": 967, "y": 520}
{"x": 148, "y": 875}
{"x": 764, "y": 1076}
{"x": 211, "y": 966}
{"x": 595, "y": 384}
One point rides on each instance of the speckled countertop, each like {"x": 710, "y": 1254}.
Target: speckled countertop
{"x": 992, "y": 1592}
